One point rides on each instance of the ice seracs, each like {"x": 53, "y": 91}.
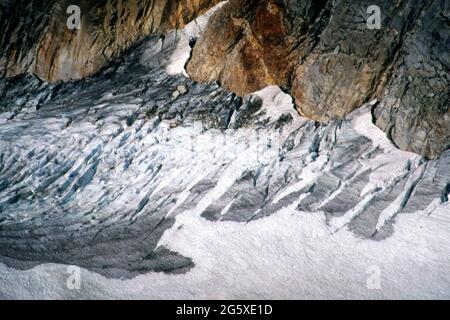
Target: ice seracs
{"x": 114, "y": 175}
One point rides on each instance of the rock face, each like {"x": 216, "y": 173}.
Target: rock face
{"x": 414, "y": 108}
{"x": 260, "y": 43}
{"x": 323, "y": 53}
{"x": 94, "y": 172}
{"x": 34, "y": 36}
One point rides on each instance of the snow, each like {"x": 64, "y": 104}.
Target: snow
{"x": 286, "y": 253}
{"x": 277, "y": 103}
{"x": 289, "y": 255}
{"x": 392, "y": 158}
{"x": 181, "y": 55}
{"x": 394, "y": 208}
{"x": 309, "y": 174}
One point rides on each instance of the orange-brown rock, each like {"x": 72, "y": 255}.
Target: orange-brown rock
{"x": 34, "y": 36}
{"x": 320, "y": 51}
{"x": 325, "y": 56}
{"x": 249, "y": 45}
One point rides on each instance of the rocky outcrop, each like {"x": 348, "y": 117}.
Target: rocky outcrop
{"x": 97, "y": 172}
{"x": 260, "y": 44}
{"x": 34, "y": 36}
{"x": 414, "y": 108}
{"x": 323, "y": 53}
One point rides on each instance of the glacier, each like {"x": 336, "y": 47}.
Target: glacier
{"x": 204, "y": 194}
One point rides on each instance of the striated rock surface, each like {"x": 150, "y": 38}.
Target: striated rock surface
{"x": 260, "y": 43}
{"x": 320, "y": 52}
{"x": 325, "y": 56}
{"x": 34, "y": 37}
{"x": 414, "y": 108}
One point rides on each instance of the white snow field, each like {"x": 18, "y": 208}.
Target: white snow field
{"x": 204, "y": 195}
{"x": 290, "y": 254}
{"x": 285, "y": 256}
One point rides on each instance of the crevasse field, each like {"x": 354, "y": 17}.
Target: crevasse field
{"x": 159, "y": 187}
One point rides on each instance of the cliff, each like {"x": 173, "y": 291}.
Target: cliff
{"x": 34, "y": 36}
{"x": 325, "y": 56}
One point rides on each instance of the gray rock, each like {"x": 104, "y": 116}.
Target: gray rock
{"x": 323, "y": 54}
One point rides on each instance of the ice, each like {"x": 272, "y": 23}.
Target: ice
{"x": 286, "y": 256}
{"x": 195, "y": 196}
